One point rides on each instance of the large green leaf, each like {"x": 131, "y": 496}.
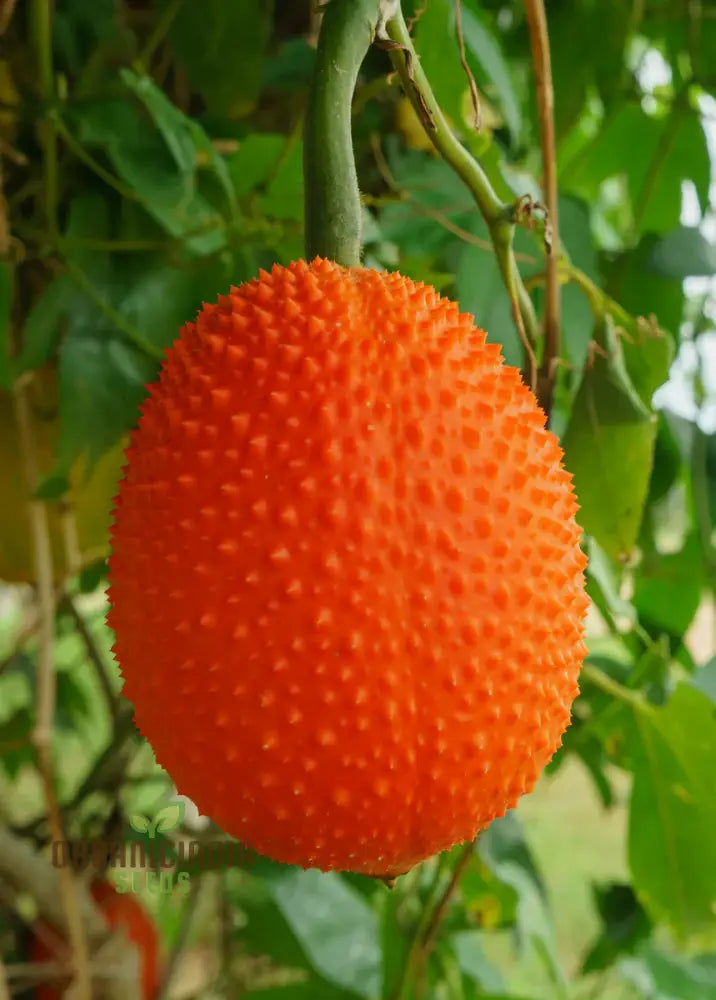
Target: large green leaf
{"x": 667, "y": 589}
{"x": 655, "y": 154}
{"x": 79, "y": 27}
{"x": 608, "y": 445}
{"x": 503, "y": 848}
{"x": 16, "y": 749}
{"x": 255, "y": 161}
{"x": 684, "y": 252}
{"x": 673, "y": 809}
{"x": 705, "y": 679}
{"x": 624, "y": 925}
{"x": 119, "y": 312}
{"x": 577, "y": 239}
{"x": 481, "y": 291}
{"x": 661, "y": 976}
{"x": 436, "y": 44}
{"x": 158, "y": 157}
{"x": 336, "y": 928}
{"x": 222, "y": 46}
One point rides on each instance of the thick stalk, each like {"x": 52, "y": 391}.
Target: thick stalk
{"x": 332, "y": 206}
{"x": 542, "y": 63}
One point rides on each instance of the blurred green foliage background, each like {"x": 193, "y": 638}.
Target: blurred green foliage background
{"x": 151, "y": 157}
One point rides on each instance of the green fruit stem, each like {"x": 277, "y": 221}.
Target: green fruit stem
{"x": 332, "y": 199}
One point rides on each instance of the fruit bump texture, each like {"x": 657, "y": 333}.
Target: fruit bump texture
{"x": 346, "y": 581}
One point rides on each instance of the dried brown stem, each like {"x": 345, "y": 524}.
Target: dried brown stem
{"x": 181, "y": 941}
{"x": 94, "y": 656}
{"x": 7, "y": 9}
{"x": 434, "y": 910}
{"x": 4, "y": 988}
{"x": 448, "y": 893}
{"x": 541, "y": 61}
{"x": 46, "y": 681}
{"x": 26, "y": 871}
{"x": 474, "y": 93}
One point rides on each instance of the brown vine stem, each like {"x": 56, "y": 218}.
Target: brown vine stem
{"x": 23, "y": 870}
{"x": 441, "y": 909}
{"x": 95, "y": 657}
{"x": 4, "y": 988}
{"x": 7, "y": 9}
{"x": 46, "y": 681}
{"x": 542, "y": 63}
{"x": 434, "y": 910}
{"x": 498, "y": 216}
{"x": 181, "y": 941}
{"x": 474, "y": 93}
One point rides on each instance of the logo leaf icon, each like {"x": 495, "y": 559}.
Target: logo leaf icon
{"x": 140, "y": 822}
{"x": 169, "y": 817}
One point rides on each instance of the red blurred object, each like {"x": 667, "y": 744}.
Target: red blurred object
{"x": 124, "y": 913}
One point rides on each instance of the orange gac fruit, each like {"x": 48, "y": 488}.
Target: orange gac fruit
{"x": 346, "y": 581}
{"x": 123, "y": 913}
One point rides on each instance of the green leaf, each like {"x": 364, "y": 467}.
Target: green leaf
{"x": 576, "y": 235}
{"x": 292, "y": 66}
{"x": 609, "y": 445}
{"x": 43, "y": 325}
{"x": 437, "y": 47}
{"x": 337, "y": 929}
{"x": 473, "y": 962}
{"x": 185, "y": 138}
{"x": 78, "y": 27}
{"x": 705, "y": 679}
{"x": 174, "y": 127}
{"x": 671, "y": 854}
{"x": 488, "y": 901}
{"x": 625, "y": 925}
{"x": 113, "y": 303}
{"x": 52, "y": 487}
{"x": 604, "y": 579}
{"x": 283, "y": 198}
{"x": 313, "y": 989}
{"x": 73, "y": 705}
{"x": 683, "y": 253}
{"x": 6, "y": 365}
{"x": 481, "y": 291}
{"x": 667, "y": 462}
{"x": 158, "y": 157}
{"x": 16, "y": 748}
{"x": 654, "y": 154}
{"x": 633, "y": 282}
{"x": 661, "y": 976}
{"x": 253, "y": 162}
{"x": 503, "y": 848}
{"x": 667, "y": 590}
{"x": 566, "y": 24}
{"x": 222, "y": 47}
{"x": 98, "y": 374}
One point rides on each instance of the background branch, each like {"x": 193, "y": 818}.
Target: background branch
{"x": 541, "y": 61}
{"x": 46, "y": 680}
{"x": 26, "y": 871}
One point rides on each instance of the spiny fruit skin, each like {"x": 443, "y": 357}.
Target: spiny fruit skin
{"x": 123, "y": 913}
{"x": 346, "y": 581}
